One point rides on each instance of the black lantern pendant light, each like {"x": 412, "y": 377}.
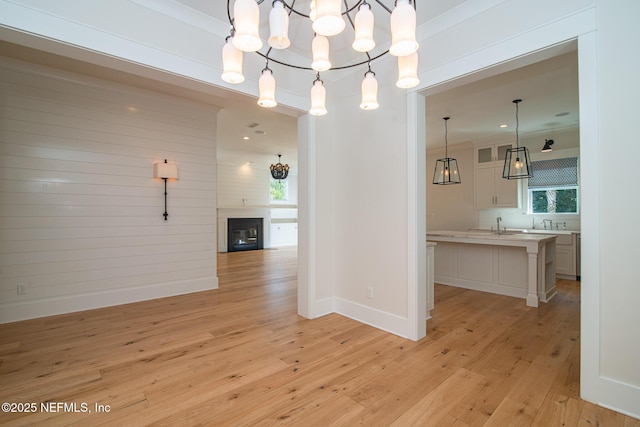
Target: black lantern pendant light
{"x": 447, "y": 168}
{"x": 279, "y": 171}
{"x": 517, "y": 163}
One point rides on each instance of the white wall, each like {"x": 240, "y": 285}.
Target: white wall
{"x": 450, "y": 207}
{"x": 364, "y": 162}
{"x": 610, "y": 350}
{"x": 81, "y": 221}
{"x": 248, "y": 185}
{"x": 242, "y": 186}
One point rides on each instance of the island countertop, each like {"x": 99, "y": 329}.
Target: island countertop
{"x": 512, "y": 263}
{"x": 489, "y": 238}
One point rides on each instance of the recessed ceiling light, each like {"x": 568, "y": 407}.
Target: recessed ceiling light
{"x": 245, "y": 138}
{"x": 565, "y": 113}
{"x": 504, "y": 126}
{"x": 260, "y": 132}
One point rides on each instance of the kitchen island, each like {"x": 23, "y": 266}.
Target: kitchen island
{"x": 515, "y": 264}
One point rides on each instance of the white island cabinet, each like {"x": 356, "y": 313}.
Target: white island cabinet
{"x": 518, "y": 265}
{"x": 430, "y": 277}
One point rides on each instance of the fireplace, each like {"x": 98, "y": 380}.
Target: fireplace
{"x": 244, "y": 234}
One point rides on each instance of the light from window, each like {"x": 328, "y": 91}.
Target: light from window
{"x": 554, "y": 186}
{"x": 278, "y": 190}
{"x": 554, "y": 200}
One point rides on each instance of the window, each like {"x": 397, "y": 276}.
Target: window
{"x": 554, "y": 186}
{"x": 278, "y": 190}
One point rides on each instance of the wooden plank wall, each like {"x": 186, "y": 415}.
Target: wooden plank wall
{"x": 81, "y": 222}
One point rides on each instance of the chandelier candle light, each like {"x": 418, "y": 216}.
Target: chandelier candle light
{"x": 326, "y": 19}
{"x": 447, "y": 168}
{"x": 516, "y": 163}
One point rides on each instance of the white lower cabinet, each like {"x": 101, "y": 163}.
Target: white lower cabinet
{"x": 566, "y": 256}
{"x": 284, "y": 234}
{"x": 430, "y": 277}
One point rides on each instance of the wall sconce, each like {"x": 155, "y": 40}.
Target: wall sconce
{"x": 547, "y": 146}
{"x": 165, "y": 171}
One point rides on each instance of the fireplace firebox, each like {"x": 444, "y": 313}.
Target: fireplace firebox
{"x": 244, "y": 234}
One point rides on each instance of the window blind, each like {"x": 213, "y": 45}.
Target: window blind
{"x": 554, "y": 173}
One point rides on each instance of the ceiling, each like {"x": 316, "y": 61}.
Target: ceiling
{"x": 548, "y": 88}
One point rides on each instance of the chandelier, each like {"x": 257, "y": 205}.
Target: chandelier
{"x": 326, "y": 18}
{"x": 279, "y": 171}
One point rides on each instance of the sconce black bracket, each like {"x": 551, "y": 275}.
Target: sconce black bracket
{"x": 165, "y": 198}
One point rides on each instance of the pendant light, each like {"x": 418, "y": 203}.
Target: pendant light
{"x": 329, "y": 21}
{"x": 278, "y": 26}
{"x": 318, "y": 97}
{"x": 517, "y": 163}
{"x": 320, "y": 53}
{"x": 231, "y": 63}
{"x": 369, "y": 91}
{"x": 408, "y": 71}
{"x": 246, "y": 24}
{"x": 363, "y": 29}
{"x": 403, "y": 29}
{"x": 446, "y": 171}
{"x": 312, "y": 11}
{"x": 267, "y": 87}
{"x": 279, "y": 171}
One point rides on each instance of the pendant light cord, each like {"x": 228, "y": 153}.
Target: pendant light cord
{"x": 446, "y": 137}
{"x": 517, "y": 128}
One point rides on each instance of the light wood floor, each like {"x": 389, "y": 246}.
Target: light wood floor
{"x": 240, "y": 356}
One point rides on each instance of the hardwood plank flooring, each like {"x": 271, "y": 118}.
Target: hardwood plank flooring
{"x": 240, "y": 356}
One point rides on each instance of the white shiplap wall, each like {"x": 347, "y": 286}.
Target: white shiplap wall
{"x": 81, "y": 222}
{"x": 243, "y": 186}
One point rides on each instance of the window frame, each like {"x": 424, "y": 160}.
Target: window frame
{"x": 285, "y": 200}
{"x": 527, "y": 207}
{"x": 566, "y": 187}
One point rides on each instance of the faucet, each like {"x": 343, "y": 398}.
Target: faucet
{"x": 498, "y": 219}
{"x": 544, "y": 221}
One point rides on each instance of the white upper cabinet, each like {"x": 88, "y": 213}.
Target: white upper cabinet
{"x": 491, "y": 155}
{"x": 491, "y": 190}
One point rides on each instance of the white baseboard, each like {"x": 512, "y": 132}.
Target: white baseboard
{"x": 323, "y": 307}
{"x": 615, "y": 395}
{"x": 388, "y": 322}
{"x": 14, "y": 312}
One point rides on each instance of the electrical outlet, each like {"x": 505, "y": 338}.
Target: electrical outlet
{"x": 22, "y": 289}
{"x": 369, "y": 292}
